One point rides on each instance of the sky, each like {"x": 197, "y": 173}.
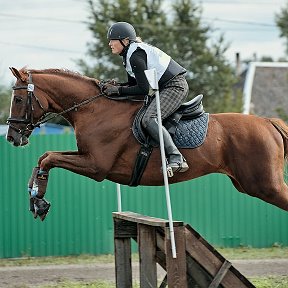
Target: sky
{"x": 43, "y": 34}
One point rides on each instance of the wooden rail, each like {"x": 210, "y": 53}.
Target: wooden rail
{"x": 197, "y": 264}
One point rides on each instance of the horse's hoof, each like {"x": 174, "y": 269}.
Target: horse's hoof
{"x": 43, "y": 216}
{"x": 41, "y": 208}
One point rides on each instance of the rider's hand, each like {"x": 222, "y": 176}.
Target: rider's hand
{"x": 111, "y": 90}
{"x": 112, "y": 82}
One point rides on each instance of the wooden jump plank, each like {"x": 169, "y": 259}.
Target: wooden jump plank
{"x": 123, "y": 268}
{"x": 197, "y": 276}
{"x": 211, "y": 260}
{"x": 147, "y": 254}
{"x": 147, "y": 220}
{"x": 125, "y": 229}
{"x": 220, "y": 275}
{"x": 176, "y": 267}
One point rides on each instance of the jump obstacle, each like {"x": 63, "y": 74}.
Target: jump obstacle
{"x": 194, "y": 264}
{"x": 197, "y": 263}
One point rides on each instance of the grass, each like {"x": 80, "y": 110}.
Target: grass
{"x": 263, "y": 282}
{"x": 252, "y": 253}
{"x": 229, "y": 253}
{"x": 80, "y": 259}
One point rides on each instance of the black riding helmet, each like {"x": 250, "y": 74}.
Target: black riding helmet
{"x": 120, "y": 31}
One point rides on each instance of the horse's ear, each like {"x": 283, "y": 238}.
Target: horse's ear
{"x": 17, "y": 74}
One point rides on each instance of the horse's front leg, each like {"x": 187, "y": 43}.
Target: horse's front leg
{"x": 83, "y": 164}
{"x": 47, "y": 153}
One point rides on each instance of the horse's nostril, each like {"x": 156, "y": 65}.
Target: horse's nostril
{"x": 9, "y": 138}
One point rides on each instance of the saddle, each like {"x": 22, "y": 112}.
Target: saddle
{"x": 187, "y": 111}
{"x": 188, "y": 124}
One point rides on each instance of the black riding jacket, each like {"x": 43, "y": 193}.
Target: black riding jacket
{"x": 140, "y": 85}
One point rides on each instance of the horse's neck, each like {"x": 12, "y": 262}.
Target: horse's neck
{"x": 65, "y": 91}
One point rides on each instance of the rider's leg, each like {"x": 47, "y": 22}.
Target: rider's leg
{"x": 172, "y": 95}
{"x": 175, "y": 159}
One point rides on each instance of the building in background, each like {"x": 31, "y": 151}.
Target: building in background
{"x": 265, "y": 89}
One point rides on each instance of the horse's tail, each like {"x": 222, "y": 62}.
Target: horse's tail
{"x": 282, "y": 128}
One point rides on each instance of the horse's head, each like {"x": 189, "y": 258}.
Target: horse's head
{"x": 25, "y": 109}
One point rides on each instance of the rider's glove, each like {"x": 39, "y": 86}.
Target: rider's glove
{"x": 112, "y": 82}
{"x": 111, "y": 90}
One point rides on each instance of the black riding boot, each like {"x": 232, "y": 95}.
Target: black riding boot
{"x": 175, "y": 159}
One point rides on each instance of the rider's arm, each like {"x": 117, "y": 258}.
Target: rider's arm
{"x": 138, "y": 61}
{"x": 130, "y": 81}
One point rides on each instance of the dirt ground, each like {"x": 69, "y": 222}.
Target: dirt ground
{"x": 33, "y": 276}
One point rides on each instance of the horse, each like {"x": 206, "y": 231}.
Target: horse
{"x": 250, "y": 150}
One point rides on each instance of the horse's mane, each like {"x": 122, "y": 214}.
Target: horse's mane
{"x": 56, "y": 71}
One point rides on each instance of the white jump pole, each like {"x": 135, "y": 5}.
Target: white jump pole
{"x": 119, "y": 201}
{"x": 152, "y": 79}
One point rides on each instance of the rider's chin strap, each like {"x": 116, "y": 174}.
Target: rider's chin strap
{"x": 122, "y": 43}
{"x": 125, "y": 47}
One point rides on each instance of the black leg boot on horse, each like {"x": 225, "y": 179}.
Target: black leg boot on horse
{"x": 175, "y": 159}
{"x": 37, "y": 188}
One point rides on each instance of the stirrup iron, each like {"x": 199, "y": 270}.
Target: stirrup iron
{"x": 170, "y": 171}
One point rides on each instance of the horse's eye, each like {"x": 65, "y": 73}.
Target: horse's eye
{"x": 18, "y": 100}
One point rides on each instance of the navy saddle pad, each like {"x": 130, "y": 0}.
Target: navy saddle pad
{"x": 191, "y": 133}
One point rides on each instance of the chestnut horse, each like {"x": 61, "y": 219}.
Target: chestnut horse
{"x": 250, "y": 150}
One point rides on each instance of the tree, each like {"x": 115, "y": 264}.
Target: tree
{"x": 103, "y": 14}
{"x": 180, "y": 33}
{"x": 282, "y": 23}
{"x": 210, "y": 73}
{"x": 282, "y": 114}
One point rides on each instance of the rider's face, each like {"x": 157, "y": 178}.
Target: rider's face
{"x": 116, "y": 45}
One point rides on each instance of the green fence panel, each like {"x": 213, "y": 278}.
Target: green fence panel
{"x": 222, "y": 215}
{"x": 80, "y": 220}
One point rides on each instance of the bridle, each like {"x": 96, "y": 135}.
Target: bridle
{"x": 28, "y": 118}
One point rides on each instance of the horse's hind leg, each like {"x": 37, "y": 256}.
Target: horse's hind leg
{"x": 276, "y": 195}
{"x": 269, "y": 187}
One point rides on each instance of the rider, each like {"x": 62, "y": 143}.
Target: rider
{"x": 173, "y": 88}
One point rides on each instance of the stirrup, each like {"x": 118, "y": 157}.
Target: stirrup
{"x": 179, "y": 167}
{"x": 169, "y": 171}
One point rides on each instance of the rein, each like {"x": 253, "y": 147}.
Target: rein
{"x": 87, "y": 101}
{"x": 74, "y": 107}
{"x": 28, "y": 118}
